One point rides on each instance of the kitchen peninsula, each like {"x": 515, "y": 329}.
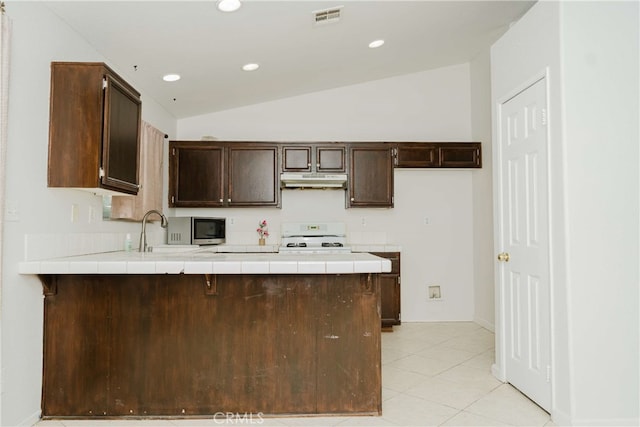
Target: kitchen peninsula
{"x": 198, "y": 333}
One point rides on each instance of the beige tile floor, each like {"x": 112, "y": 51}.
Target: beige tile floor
{"x": 433, "y": 374}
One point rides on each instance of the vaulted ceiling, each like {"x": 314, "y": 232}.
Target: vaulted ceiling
{"x": 148, "y": 39}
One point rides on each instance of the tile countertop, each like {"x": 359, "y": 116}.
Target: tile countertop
{"x": 204, "y": 261}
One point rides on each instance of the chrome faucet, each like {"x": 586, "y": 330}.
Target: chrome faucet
{"x": 143, "y": 235}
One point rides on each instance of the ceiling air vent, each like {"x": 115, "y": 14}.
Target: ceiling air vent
{"x": 327, "y": 16}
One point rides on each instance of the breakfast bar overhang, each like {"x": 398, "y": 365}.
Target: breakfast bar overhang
{"x": 199, "y": 341}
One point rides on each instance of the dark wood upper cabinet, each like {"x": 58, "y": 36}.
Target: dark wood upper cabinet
{"x": 324, "y": 158}
{"x": 417, "y": 155}
{"x": 253, "y": 178}
{"x": 196, "y": 175}
{"x": 94, "y": 129}
{"x": 460, "y": 155}
{"x": 223, "y": 174}
{"x": 439, "y": 155}
{"x": 331, "y": 158}
{"x": 296, "y": 158}
{"x": 370, "y": 175}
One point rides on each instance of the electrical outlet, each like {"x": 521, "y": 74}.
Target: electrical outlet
{"x": 434, "y": 292}
{"x": 11, "y": 211}
{"x": 92, "y": 215}
{"x": 74, "y": 212}
{"x": 363, "y": 221}
{"x": 426, "y": 220}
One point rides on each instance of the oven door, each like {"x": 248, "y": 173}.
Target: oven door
{"x": 208, "y": 231}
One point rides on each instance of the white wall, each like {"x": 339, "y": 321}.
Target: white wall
{"x": 427, "y": 106}
{"x": 589, "y": 51}
{"x": 38, "y": 38}
{"x": 601, "y": 121}
{"x": 482, "y": 193}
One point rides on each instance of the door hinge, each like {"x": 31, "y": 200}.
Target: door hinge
{"x": 104, "y": 83}
{"x": 173, "y": 199}
{"x": 544, "y": 117}
{"x": 173, "y": 151}
{"x": 101, "y": 173}
{"x": 548, "y": 373}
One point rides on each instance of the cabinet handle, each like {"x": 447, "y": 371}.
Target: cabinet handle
{"x": 221, "y": 200}
{"x": 353, "y": 199}
{"x": 229, "y": 200}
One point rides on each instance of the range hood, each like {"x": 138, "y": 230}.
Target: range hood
{"x": 313, "y": 180}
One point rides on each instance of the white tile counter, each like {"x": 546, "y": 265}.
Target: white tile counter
{"x": 205, "y": 261}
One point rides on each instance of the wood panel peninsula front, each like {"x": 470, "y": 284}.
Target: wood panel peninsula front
{"x": 202, "y": 334}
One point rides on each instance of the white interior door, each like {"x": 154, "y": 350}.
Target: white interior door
{"x": 524, "y": 270}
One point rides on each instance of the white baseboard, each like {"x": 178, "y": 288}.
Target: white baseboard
{"x": 604, "y": 422}
{"x": 31, "y": 420}
{"x": 497, "y": 372}
{"x": 486, "y": 324}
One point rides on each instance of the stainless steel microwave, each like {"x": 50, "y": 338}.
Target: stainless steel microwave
{"x": 193, "y": 230}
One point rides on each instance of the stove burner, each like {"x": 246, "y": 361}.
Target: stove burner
{"x": 332, "y": 245}
{"x": 297, "y": 245}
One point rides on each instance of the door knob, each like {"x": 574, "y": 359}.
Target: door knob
{"x": 503, "y": 256}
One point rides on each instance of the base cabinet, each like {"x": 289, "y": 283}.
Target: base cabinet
{"x": 191, "y": 345}
{"x": 390, "y": 290}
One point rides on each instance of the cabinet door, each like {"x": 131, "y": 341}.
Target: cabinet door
{"x": 417, "y": 155}
{"x": 121, "y": 137}
{"x": 253, "y": 178}
{"x": 460, "y": 155}
{"x": 389, "y": 299}
{"x": 296, "y": 159}
{"x": 93, "y": 129}
{"x": 196, "y": 175}
{"x": 331, "y": 158}
{"x": 390, "y": 290}
{"x": 370, "y": 176}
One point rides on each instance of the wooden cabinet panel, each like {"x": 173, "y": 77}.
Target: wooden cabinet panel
{"x": 460, "y": 156}
{"x": 331, "y": 158}
{"x": 390, "y": 290}
{"x": 345, "y": 382}
{"x": 166, "y": 345}
{"x": 219, "y": 174}
{"x": 370, "y": 175}
{"x": 253, "y": 176}
{"x": 325, "y": 158}
{"x": 417, "y": 155}
{"x": 439, "y": 155}
{"x": 94, "y": 129}
{"x": 76, "y": 371}
{"x": 296, "y": 159}
{"x": 196, "y": 175}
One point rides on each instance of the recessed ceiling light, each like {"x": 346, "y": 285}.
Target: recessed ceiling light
{"x": 376, "y": 43}
{"x": 228, "y": 5}
{"x": 171, "y": 77}
{"x": 250, "y": 67}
